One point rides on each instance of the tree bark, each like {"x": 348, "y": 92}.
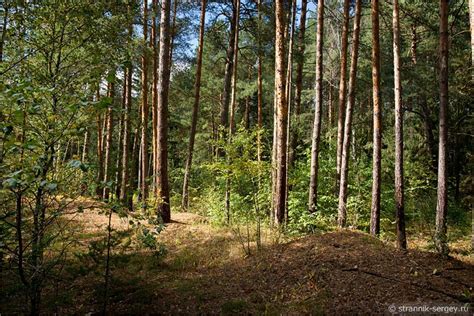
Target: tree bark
{"x": 259, "y": 84}
{"x": 341, "y": 219}
{"x": 154, "y": 93}
{"x": 281, "y": 108}
{"x": 342, "y": 89}
{"x": 100, "y": 156}
{"x": 125, "y": 192}
{"x": 298, "y": 79}
{"x": 197, "y": 93}
{"x": 226, "y": 93}
{"x": 233, "y": 102}
{"x": 442, "y": 203}
{"x": 399, "y": 193}
{"x": 289, "y": 81}
{"x": 313, "y": 178}
{"x": 377, "y": 128}
{"x": 144, "y": 111}
{"x": 108, "y": 141}
{"x": 162, "y": 133}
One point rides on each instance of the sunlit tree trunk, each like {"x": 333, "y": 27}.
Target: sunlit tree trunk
{"x": 259, "y": 83}
{"x": 197, "y": 93}
{"x": 281, "y": 108}
{"x": 289, "y": 88}
{"x": 226, "y": 93}
{"x": 154, "y": 92}
{"x": 399, "y": 193}
{"x": 100, "y": 156}
{"x": 144, "y": 111}
{"x": 342, "y": 89}
{"x": 313, "y": 178}
{"x": 162, "y": 126}
{"x": 299, "y": 78}
{"x": 377, "y": 121}
{"x": 233, "y": 102}
{"x": 108, "y": 140}
{"x": 442, "y": 203}
{"x": 341, "y": 219}
{"x": 126, "y": 191}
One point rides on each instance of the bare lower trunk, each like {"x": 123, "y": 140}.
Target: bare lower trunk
{"x": 341, "y": 219}
{"x": 441, "y": 241}
{"x": 144, "y": 111}
{"x": 259, "y": 85}
{"x": 342, "y": 89}
{"x": 281, "y": 108}
{"x": 233, "y": 102}
{"x": 162, "y": 133}
{"x": 108, "y": 143}
{"x": 197, "y": 92}
{"x": 313, "y": 178}
{"x": 399, "y": 193}
{"x": 377, "y": 128}
{"x": 126, "y": 192}
{"x": 154, "y": 94}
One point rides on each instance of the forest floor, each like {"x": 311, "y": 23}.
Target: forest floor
{"x": 205, "y": 271}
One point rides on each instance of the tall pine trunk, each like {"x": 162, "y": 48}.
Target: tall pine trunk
{"x": 259, "y": 83}
{"x": 162, "y": 124}
{"x": 299, "y": 79}
{"x": 281, "y": 109}
{"x": 197, "y": 93}
{"x": 399, "y": 193}
{"x": 154, "y": 93}
{"x": 442, "y": 203}
{"x": 342, "y": 90}
{"x": 144, "y": 110}
{"x": 108, "y": 140}
{"x": 313, "y": 178}
{"x": 377, "y": 128}
{"x": 226, "y": 93}
{"x": 341, "y": 219}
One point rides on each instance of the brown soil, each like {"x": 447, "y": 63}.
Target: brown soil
{"x": 205, "y": 272}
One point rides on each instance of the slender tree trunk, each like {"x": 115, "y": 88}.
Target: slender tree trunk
{"x": 246, "y": 118}
{"x": 342, "y": 90}
{"x": 163, "y": 88}
{"x": 330, "y": 106}
{"x": 173, "y": 30}
{"x": 399, "y": 193}
{"x": 259, "y": 84}
{"x": 226, "y": 94}
{"x": 313, "y": 178}
{"x": 197, "y": 93}
{"x": 281, "y": 108}
{"x": 108, "y": 141}
{"x": 341, "y": 219}
{"x": 441, "y": 241}
{"x": 233, "y": 102}
{"x": 299, "y": 77}
{"x": 125, "y": 193}
{"x": 118, "y": 163}
{"x": 414, "y": 41}
{"x": 377, "y": 128}
{"x": 85, "y": 146}
{"x": 288, "y": 91}
{"x": 154, "y": 93}
{"x": 100, "y": 156}
{"x": 144, "y": 111}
